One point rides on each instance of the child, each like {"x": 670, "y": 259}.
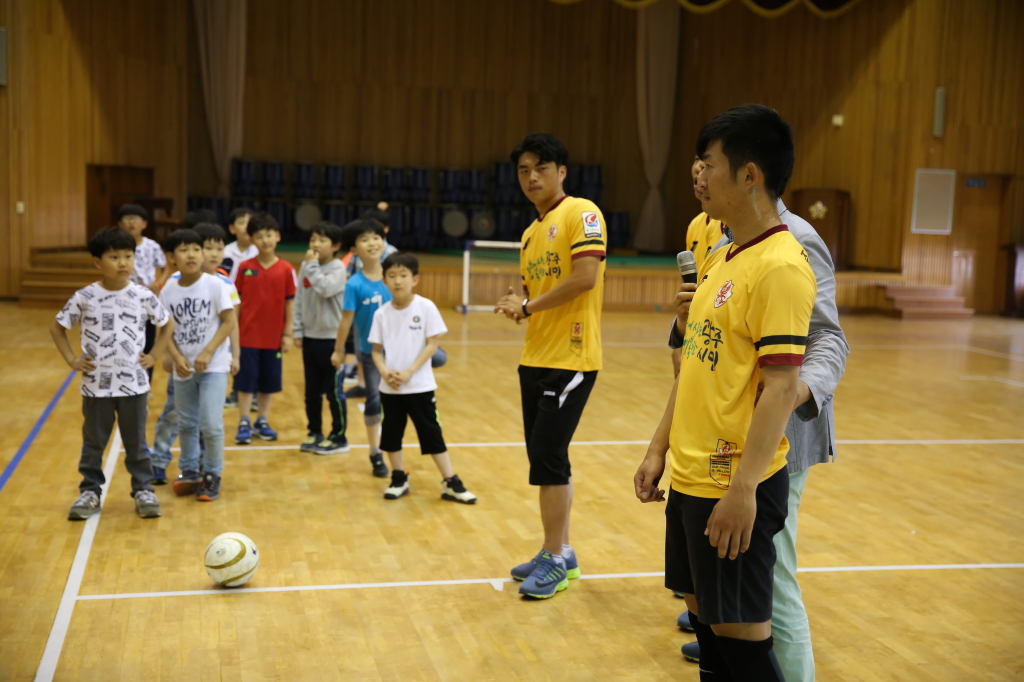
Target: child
{"x": 151, "y": 269}
{"x": 204, "y": 316}
{"x": 112, "y": 315}
{"x": 213, "y": 237}
{"x": 379, "y": 215}
{"x": 364, "y": 293}
{"x": 242, "y": 248}
{"x": 267, "y": 287}
{"x": 317, "y": 315}
{"x": 404, "y": 337}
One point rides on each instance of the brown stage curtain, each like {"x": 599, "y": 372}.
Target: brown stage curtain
{"x": 657, "y": 56}
{"x": 221, "y": 25}
{"x": 826, "y": 9}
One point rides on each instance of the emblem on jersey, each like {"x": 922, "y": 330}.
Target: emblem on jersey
{"x": 720, "y": 469}
{"x": 552, "y": 233}
{"x": 416, "y": 319}
{"x": 249, "y": 272}
{"x": 591, "y": 224}
{"x": 576, "y": 338}
{"x": 724, "y": 294}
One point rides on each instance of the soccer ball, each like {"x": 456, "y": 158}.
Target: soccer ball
{"x": 232, "y": 559}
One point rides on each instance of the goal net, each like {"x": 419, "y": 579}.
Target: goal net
{"x": 488, "y": 270}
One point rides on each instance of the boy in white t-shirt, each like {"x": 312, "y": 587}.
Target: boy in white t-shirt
{"x": 404, "y": 335}
{"x": 151, "y": 269}
{"x": 242, "y": 248}
{"x": 204, "y": 317}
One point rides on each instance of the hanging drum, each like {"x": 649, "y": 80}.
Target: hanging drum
{"x": 483, "y": 225}
{"x": 454, "y": 223}
{"x": 306, "y": 216}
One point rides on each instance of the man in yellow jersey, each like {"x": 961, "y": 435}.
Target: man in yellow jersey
{"x": 703, "y": 232}
{"x": 747, "y": 324}
{"x": 562, "y": 265}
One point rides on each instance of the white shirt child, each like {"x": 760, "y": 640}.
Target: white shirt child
{"x": 148, "y": 257}
{"x": 196, "y": 311}
{"x": 233, "y": 257}
{"x": 404, "y": 334}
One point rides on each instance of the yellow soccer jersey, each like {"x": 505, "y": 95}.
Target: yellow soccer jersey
{"x": 752, "y": 308}
{"x": 569, "y": 336}
{"x": 702, "y": 235}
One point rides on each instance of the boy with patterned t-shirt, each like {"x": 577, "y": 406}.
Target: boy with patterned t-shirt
{"x": 112, "y": 315}
{"x": 151, "y": 269}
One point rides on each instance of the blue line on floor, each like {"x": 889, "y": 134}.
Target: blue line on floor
{"x": 13, "y": 464}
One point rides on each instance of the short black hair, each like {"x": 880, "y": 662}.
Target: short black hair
{"x": 111, "y": 239}
{"x": 132, "y": 209}
{"x": 261, "y": 221}
{"x": 329, "y": 230}
{"x": 546, "y": 146}
{"x": 200, "y": 215}
{"x": 753, "y": 133}
{"x": 353, "y": 230}
{"x": 402, "y": 259}
{"x": 185, "y": 235}
{"x": 238, "y": 213}
{"x": 380, "y": 216}
{"x": 211, "y": 232}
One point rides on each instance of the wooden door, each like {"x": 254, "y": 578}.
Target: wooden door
{"x": 978, "y": 227}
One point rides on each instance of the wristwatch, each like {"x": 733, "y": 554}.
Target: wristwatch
{"x": 525, "y": 301}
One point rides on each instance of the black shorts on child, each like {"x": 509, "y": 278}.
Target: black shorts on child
{"x": 259, "y": 371}
{"x": 422, "y": 409}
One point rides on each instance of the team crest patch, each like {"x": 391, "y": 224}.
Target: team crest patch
{"x": 552, "y": 233}
{"x": 724, "y": 294}
{"x": 416, "y": 319}
{"x": 591, "y": 224}
{"x": 576, "y": 338}
{"x": 720, "y": 469}
{"x": 249, "y": 272}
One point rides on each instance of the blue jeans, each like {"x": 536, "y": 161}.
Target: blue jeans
{"x": 790, "y": 628}
{"x": 200, "y": 404}
{"x": 166, "y": 430}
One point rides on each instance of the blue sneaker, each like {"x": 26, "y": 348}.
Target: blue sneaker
{"x": 159, "y": 476}
{"x": 244, "y": 435}
{"x": 523, "y": 571}
{"x": 547, "y": 578}
{"x": 683, "y": 622}
{"x": 186, "y": 483}
{"x": 209, "y": 488}
{"x": 691, "y": 652}
{"x": 263, "y": 430}
{"x": 231, "y": 400}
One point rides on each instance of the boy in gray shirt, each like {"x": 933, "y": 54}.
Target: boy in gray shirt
{"x": 315, "y": 325}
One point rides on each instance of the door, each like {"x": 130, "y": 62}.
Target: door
{"x": 978, "y": 226}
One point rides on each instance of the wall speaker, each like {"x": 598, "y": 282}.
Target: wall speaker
{"x": 933, "y": 201}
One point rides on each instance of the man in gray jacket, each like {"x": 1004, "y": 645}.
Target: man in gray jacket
{"x": 811, "y": 434}
{"x": 317, "y": 314}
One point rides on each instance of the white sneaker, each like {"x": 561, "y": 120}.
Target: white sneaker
{"x": 399, "y": 485}
{"x": 147, "y": 505}
{"x": 87, "y": 504}
{"x": 452, "y": 489}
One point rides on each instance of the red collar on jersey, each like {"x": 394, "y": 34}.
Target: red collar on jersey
{"x": 756, "y": 240}
{"x": 553, "y": 207}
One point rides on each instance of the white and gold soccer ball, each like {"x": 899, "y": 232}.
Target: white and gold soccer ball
{"x": 232, "y": 559}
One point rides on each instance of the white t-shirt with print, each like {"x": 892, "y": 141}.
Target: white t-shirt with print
{"x": 196, "y": 311}
{"x": 113, "y": 326}
{"x": 148, "y": 257}
{"x": 236, "y": 256}
{"x": 232, "y": 289}
{"x": 404, "y": 334}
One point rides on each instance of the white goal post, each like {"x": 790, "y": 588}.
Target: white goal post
{"x": 489, "y": 268}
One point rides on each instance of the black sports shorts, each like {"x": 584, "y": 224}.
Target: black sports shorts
{"x": 396, "y": 410}
{"x": 553, "y": 402}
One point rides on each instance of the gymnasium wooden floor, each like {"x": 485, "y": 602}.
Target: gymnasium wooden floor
{"x": 942, "y": 485}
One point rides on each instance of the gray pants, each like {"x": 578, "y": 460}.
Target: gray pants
{"x": 99, "y": 413}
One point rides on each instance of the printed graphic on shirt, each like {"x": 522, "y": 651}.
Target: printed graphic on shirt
{"x": 720, "y": 468}
{"x": 196, "y": 311}
{"x": 148, "y": 257}
{"x": 591, "y": 224}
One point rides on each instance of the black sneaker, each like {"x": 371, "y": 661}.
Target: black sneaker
{"x": 356, "y": 392}
{"x": 399, "y": 485}
{"x": 380, "y": 469}
{"x": 453, "y": 489}
{"x": 209, "y": 488}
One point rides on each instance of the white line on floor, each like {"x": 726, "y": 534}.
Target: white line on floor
{"x": 971, "y": 349}
{"x": 59, "y": 631}
{"x": 498, "y": 583}
{"x": 1001, "y": 380}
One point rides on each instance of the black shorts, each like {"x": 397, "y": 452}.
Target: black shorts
{"x": 727, "y": 591}
{"x": 553, "y": 402}
{"x": 422, "y": 408}
{"x": 259, "y": 371}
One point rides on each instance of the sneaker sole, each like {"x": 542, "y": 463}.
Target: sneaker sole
{"x": 558, "y": 588}
{"x": 159, "y": 481}
{"x": 181, "y": 488}
{"x": 452, "y": 498}
{"x": 333, "y": 451}
{"x": 262, "y": 437}
{"x": 207, "y": 498}
{"x": 307, "y": 448}
{"x": 148, "y": 513}
{"x": 381, "y": 474}
{"x": 691, "y": 659}
{"x": 571, "y": 574}
{"x": 396, "y": 497}
{"x": 82, "y": 515}
{"x": 242, "y": 441}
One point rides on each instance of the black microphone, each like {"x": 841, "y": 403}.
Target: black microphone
{"x": 687, "y": 266}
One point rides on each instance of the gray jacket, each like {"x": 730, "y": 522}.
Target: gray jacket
{"x": 318, "y": 302}
{"x": 811, "y": 429}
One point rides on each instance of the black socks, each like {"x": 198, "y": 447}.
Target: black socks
{"x": 712, "y": 665}
{"x": 748, "y": 660}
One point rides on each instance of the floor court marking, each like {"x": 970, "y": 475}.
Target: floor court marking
{"x": 59, "y": 631}
{"x": 498, "y": 583}
{"x": 1000, "y": 380}
{"x": 31, "y": 437}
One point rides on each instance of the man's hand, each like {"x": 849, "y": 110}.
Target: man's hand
{"x": 732, "y": 522}
{"x": 182, "y": 368}
{"x": 286, "y": 343}
{"x": 84, "y": 364}
{"x": 337, "y": 357}
{"x": 236, "y": 364}
{"x": 202, "y": 361}
{"x": 684, "y": 296}
{"x": 645, "y": 481}
{"x": 298, "y": 342}
{"x": 311, "y": 254}
{"x": 511, "y": 306}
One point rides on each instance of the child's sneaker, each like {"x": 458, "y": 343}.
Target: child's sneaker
{"x": 186, "y": 483}
{"x": 231, "y": 400}
{"x": 254, "y": 407}
{"x": 263, "y": 430}
{"x": 244, "y": 435}
{"x": 380, "y": 469}
{"x": 87, "y": 504}
{"x": 312, "y": 440}
{"x": 335, "y": 444}
{"x": 146, "y": 504}
{"x": 209, "y": 488}
{"x": 399, "y": 485}
{"x": 159, "y": 476}
{"x": 356, "y": 392}
{"x": 452, "y": 489}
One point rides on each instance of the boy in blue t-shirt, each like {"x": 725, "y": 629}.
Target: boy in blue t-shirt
{"x": 365, "y": 292}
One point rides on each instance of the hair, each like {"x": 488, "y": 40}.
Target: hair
{"x": 111, "y": 239}
{"x": 380, "y": 216}
{"x": 261, "y": 221}
{"x": 402, "y": 259}
{"x": 201, "y": 215}
{"x": 238, "y": 213}
{"x": 753, "y": 133}
{"x": 211, "y": 232}
{"x": 329, "y": 230}
{"x": 132, "y": 209}
{"x": 352, "y": 231}
{"x": 546, "y": 146}
{"x": 183, "y": 236}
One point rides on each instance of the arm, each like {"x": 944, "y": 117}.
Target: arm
{"x": 732, "y": 519}
{"x": 645, "y": 482}
{"x": 404, "y": 375}
{"x": 289, "y": 312}
{"x": 163, "y": 337}
{"x": 297, "y": 309}
{"x": 227, "y": 325}
{"x": 338, "y": 356}
{"x": 582, "y": 279}
{"x": 236, "y": 345}
{"x": 59, "y": 335}
{"x": 378, "y": 360}
{"x": 325, "y": 284}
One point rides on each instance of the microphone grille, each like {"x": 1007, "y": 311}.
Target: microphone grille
{"x": 686, "y": 261}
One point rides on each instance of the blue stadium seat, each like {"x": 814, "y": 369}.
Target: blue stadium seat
{"x": 420, "y": 185}
{"x": 334, "y": 182}
{"x": 591, "y": 183}
{"x": 365, "y": 187}
{"x": 279, "y": 209}
{"x": 423, "y": 227}
{"x": 273, "y": 179}
{"x": 304, "y": 181}
{"x": 618, "y": 229}
{"x": 505, "y": 219}
{"x": 243, "y": 178}
{"x": 337, "y": 213}
{"x": 394, "y": 184}
{"x": 398, "y": 224}
{"x": 506, "y": 184}
{"x": 450, "y": 183}
{"x": 474, "y": 190}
